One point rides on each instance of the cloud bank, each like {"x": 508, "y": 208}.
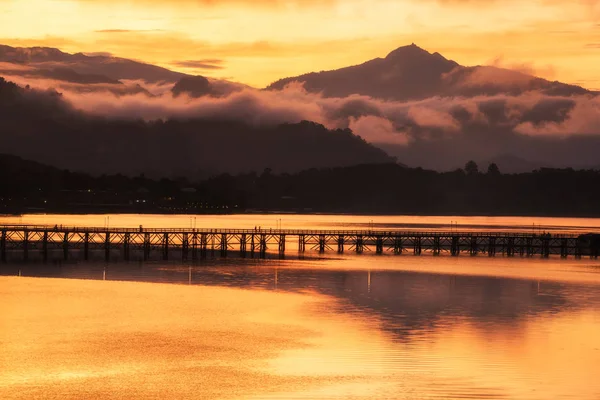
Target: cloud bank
{"x": 438, "y": 132}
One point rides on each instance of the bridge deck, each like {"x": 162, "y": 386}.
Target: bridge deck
{"x": 28, "y": 242}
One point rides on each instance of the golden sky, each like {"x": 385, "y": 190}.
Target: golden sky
{"x": 259, "y": 41}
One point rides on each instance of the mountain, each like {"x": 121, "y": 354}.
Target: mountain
{"x": 418, "y": 107}
{"x": 41, "y": 126}
{"x": 194, "y": 86}
{"x": 83, "y": 73}
{"x": 407, "y": 73}
{"x": 411, "y": 73}
{"x": 115, "y": 68}
{"x": 200, "y": 86}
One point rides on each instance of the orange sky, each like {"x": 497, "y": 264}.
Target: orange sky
{"x": 258, "y": 41}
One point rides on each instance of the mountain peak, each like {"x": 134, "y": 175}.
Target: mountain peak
{"x": 407, "y": 51}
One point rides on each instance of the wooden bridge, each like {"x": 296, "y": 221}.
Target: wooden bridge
{"x": 28, "y": 243}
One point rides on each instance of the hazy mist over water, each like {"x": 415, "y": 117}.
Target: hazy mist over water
{"x": 320, "y": 327}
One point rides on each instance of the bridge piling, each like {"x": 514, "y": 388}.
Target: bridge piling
{"x": 194, "y": 246}
{"x": 107, "y": 247}
{"x": 281, "y": 245}
{"x": 3, "y": 246}
{"x": 529, "y": 247}
{"x": 545, "y": 247}
{"x": 564, "y": 248}
{"x": 491, "y": 246}
{"x": 86, "y": 245}
{"x": 146, "y": 246}
{"x": 25, "y": 245}
{"x": 184, "y": 247}
{"x": 379, "y": 245}
{"x": 45, "y": 246}
{"x": 66, "y": 246}
{"x": 165, "y": 247}
{"x": 417, "y": 246}
{"x": 223, "y": 245}
{"x": 455, "y": 247}
{"x": 436, "y": 245}
{"x": 359, "y": 244}
{"x": 243, "y": 245}
{"x": 473, "y": 248}
{"x": 510, "y": 247}
{"x": 203, "y": 245}
{"x": 126, "y": 246}
{"x": 263, "y": 245}
{"x": 398, "y": 245}
{"x": 301, "y": 243}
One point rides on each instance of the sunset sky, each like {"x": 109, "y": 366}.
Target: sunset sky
{"x": 259, "y": 41}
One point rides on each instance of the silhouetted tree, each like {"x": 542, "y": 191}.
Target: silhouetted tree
{"x": 493, "y": 169}
{"x": 471, "y": 168}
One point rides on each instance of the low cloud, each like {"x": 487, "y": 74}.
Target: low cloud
{"x": 438, "y": 132}
{"x": 10, "y": 67}
{"x": 155, "y": 88}
{"x": 582, "y": 119}
{"x": 199, "y": 64}
{"x": 378, "y": 129}
{"x": 527, "y": 68}
{"x": 102, "y": 89}
{"x": 98, "y": 54}
{"x": 531, "y": 113}
{"x": 127, "y": 30}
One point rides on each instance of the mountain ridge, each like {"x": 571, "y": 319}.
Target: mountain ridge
{"x": 113, "y": 67}
{"x": 412, "y": 73}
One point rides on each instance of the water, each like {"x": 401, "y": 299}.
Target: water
{"x": 294, "y": 221}
{"x": 362, "y": 327}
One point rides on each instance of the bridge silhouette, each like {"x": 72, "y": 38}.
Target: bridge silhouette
{"x": 28, "y": 243}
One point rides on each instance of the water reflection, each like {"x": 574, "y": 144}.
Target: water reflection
{"x": 414, "y": 332}
{"x": 407, "y": 301}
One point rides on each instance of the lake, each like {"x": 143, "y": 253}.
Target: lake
{"x": 319, "y": 327}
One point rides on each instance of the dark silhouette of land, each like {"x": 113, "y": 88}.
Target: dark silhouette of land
{"x": 369, "y": 189}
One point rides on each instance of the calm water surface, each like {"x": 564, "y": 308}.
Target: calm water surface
{"x": 293, "y": 221}
{"x": 363, "y": 327}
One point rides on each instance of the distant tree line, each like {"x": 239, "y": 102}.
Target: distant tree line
{"x": 378, "y": 189}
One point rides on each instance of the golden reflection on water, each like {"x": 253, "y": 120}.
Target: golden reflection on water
{"x": 316, "y": 221}
{"x": 526, "y": 331}
{"x": 73, "y": 339}
{"x": 97, "y": 339}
